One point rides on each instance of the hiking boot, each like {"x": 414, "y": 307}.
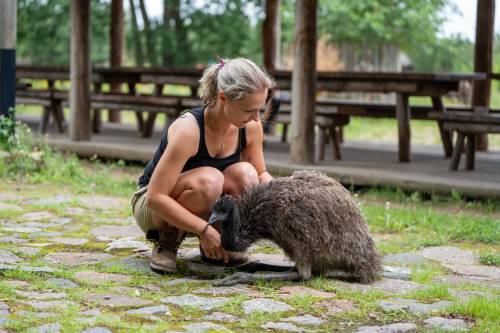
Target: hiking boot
{"x": 166, "y": 243}
{"x": 235, "y": 259}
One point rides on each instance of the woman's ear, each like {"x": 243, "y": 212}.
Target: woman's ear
{"x": 222, "y": 97}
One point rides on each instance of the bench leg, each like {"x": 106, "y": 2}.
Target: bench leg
{"x": 403, "y": 117}
{"x": 340, "y": 132}
{"x": 446, "y": 139}
{"x": 285, "y": 133}
{"x": 336, "y": 142}
{"x": 97, "y": 121}
{"x": 470, "y": 153}
{"x": 140, "y": 120}
{"x": 320, "y": 144}
{"x": 457, "y": 152}
{"x": 44, "y": 122}
{"x": 58, "y": 116}
{"x": 149, "y": 125}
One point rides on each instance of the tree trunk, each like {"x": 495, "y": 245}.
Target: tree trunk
{"x": 147, "y": 32}
{"x": 483, "y": 58}
{"x": 271, "y": 34}
{"x": 139, "y": 56}
{"x": 8, "y": 10}
{"x": 304, "y": 82}
{"x": 167, "y": 36}
{"x": 116, "y": 50}
{"x": 80, "y": 128}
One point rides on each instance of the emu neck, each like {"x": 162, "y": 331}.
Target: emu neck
{"x": 231, "y": 233}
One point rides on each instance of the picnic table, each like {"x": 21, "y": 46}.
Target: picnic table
{"x": 403, "y": 84}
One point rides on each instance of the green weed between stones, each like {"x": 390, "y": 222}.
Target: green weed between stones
{"x": 490, "y": 258}
{"x": 484, "y": 311}
{"x": 426, "y": 273}
{"x": 431, "y": 294}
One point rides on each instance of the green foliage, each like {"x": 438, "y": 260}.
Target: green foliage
{"x": 7, "y": 129}
{"x": 490, "y": 258}
{"x": 447, "y": 54}
{"x": 44, "y": 29}
{"x": 27, "y": 157}
{"x": 369, "y": 23}
{"x": 222, "y": 28}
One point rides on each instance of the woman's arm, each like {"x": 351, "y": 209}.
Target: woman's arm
{"x": 183, "y": 137}
{"x": 254, "y": 153}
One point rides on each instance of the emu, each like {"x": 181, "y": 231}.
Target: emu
{"x": 311, "y": 217}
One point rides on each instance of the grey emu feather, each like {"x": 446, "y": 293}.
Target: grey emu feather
{"x": 311, "y": 217}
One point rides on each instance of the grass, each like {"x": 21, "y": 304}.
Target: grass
{"x": 431, "y": 294}
{"x": 484, "y": 311}
{"x": 490, "y": 258}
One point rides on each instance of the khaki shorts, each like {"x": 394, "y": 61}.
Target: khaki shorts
{"x": 142, "y": 214}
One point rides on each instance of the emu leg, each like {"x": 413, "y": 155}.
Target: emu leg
{"x": 248, "y": 278}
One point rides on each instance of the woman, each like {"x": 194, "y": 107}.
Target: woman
{"x": 208, "y": 151}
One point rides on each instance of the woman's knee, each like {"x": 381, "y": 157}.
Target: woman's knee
{"x": 240, "y": 176}
{"x": 209, "y": 183}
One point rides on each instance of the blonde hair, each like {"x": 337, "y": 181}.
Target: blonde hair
{"x": 235, "y": 77}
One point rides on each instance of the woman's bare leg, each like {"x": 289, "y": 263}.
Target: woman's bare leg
{"x": 196, "y": 190}
{"x": 238, "y": 177}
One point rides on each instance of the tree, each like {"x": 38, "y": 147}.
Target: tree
{"x": 43, "y": 31}
{"x": 371, "y": 22}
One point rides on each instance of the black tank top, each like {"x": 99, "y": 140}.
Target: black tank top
{"x": 202, "y": 157}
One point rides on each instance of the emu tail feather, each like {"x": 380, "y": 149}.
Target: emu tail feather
{"x": 271, "y": 114}
{"x": 369, "y": 268}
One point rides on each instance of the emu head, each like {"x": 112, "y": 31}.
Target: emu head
{"x": 226, "y": 211}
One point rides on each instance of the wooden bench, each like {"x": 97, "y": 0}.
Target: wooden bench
{"x": 468, "y": 124}
{"x": 53, "y": 100}
{"x": 328, "y": 123}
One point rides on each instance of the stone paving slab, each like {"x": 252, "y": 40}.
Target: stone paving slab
{"x": 446, "y": 324}
{"x": 35, "y": 216}
{"x": 390, "y": 328}
{"x": 335, "y": 306}
{"x": 98, "y": 278}
{"x": 265, "y": 305}
{"x": 7, "y": 257}
{"x": 291, "y": 291}
{"x": 150, "y": 310}
{"x": 413, "y": 306}
{"x": 7, "y": 206}
{"x": 69, "y": 241}
{"x": 44, "y": 305}
{"x": 107, "y": 232}
{"x": 281, "y": 327}
{"x": 476, "y": 271}
{"x": 203, "y": 303}
{"x": 116, "y": 300}
{"x": 450, "y": 255}
{"x": 77, "y": 258}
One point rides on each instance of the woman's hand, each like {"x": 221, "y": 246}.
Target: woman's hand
{"x": 211, "y": 245}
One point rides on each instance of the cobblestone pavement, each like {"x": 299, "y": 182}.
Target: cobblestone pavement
{"x": 77, "y": 263}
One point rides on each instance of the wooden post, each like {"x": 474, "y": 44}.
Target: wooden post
{"x": 80, "y": 128}
{"x": 116, "y": 50}
{"x": 304, "y": 82}
{"x": 483, "y": 58}
{"x": 8, "y": 15}
{"x": 271, "y": 34}
{"x": 404, "y": 132}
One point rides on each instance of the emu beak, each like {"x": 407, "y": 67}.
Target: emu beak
{"x": 214, "y": 218}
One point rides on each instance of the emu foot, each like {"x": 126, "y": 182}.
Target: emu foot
{"x": 249, "y": 278}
